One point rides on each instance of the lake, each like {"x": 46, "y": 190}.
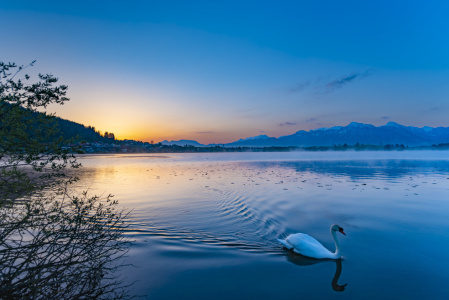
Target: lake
{"x": 205, "y": 226}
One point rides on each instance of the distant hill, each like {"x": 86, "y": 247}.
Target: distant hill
{"x": 391, "y": 133}
{"x": 367, "y": 134}
{"x": 79, "y": 132}
{"x": 69, "y": 130}
{"x": 182, "y": 143}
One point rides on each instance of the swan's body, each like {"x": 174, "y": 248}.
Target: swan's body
{"x": 306, "y": 245}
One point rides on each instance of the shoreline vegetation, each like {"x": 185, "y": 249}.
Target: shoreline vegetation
{"x": 130, "y": 146}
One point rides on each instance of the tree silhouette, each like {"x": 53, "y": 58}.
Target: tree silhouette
{"x": 53, "y": 245}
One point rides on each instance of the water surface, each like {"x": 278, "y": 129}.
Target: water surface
{"x": 205, "y": 225}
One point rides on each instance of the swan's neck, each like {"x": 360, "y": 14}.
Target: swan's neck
{"x": 337, "y": 243}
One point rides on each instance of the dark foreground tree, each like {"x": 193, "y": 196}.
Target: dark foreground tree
{"x": 30, "y": 143}
{"x": 53, "y": 245}
{"x": 61, "y": 249}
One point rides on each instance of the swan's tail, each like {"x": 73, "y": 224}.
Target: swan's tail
{"x": 286, "y": 245}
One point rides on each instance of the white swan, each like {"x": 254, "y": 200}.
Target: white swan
{"x": 308, "y": 246}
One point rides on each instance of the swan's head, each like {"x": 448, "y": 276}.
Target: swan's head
{"x": 337, "y": 228}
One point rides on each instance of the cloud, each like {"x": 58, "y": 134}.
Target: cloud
{"x": 328, "y": 87}
{"x": 299, "y": 87}
{"x": 287, "y": 124}
{"x": 311, "y": 120}
{"x": 339, "y": 83}
{"x": 385, "y": 118}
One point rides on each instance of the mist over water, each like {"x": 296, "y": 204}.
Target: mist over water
{"x": 205, "y": 225}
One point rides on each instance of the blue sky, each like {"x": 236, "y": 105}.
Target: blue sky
{"x": 218, "y": 71}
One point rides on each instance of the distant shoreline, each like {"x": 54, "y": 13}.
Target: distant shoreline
{"x": 161, "y": 149}
{"x": 137, "y": 155}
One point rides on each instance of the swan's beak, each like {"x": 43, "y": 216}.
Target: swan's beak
{"x": 341, "y": 230}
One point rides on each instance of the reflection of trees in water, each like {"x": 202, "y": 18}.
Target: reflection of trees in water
{"x": 365, "y": 168}
{"x": 302, "y": 260}
{"x": 67, "y": 249}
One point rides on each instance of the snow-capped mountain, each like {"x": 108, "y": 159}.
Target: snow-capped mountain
{"x": 390, "y": 133}
{"x": 258, "y": 137}
{"x": 182, "y": 143}
{"x": 353, "y": 133}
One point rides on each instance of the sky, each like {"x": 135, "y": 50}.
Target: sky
{"x": 218, "y": 71}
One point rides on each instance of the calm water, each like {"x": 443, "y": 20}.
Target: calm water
{"x": 205, "y": 225}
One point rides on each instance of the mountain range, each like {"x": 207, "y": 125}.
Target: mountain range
{"x": 390, "y": 133}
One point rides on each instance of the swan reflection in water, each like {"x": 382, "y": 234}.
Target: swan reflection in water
{"x": 302, "y": 260}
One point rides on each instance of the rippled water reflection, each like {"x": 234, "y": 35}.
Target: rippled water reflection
{"x": 206, "y": 225}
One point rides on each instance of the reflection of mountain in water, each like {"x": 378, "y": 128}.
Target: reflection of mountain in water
{"x": 365, "y": 168}
{"x": 301, "y": 260}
